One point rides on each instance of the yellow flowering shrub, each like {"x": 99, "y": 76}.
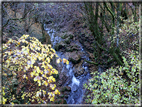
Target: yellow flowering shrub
{"x": 26, "y": 66}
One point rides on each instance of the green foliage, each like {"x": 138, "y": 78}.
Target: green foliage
{"x": 119, "y": 85}
{"x": 67, "y": 41}
{"x": 128, "y": 34}
{"x": 64, "y": 36}
{"x": 32, "y": 77}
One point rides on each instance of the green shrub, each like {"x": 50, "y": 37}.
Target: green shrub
{"x": 119, "y": 85}
{"x": 128, "y": 34}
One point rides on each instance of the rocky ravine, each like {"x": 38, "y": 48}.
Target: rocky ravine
{"x": 72, "y": 42}
{"x": 73, "y": 76}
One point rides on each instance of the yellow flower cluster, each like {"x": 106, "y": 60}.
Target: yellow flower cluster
{"x": 24, "y": 59}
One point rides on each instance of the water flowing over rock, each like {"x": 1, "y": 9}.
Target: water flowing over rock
{"x": 72, "y": 76}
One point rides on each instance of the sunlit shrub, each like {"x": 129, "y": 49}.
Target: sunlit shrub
{"x": 119, "y": 85}
{"x": 27, "y": 72}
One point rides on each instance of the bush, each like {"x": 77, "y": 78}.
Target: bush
{"x": 27, "y": 73}
{"x": 119, "y": 85}
{"x": 128, "y": 34}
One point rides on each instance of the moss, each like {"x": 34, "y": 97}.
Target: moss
{"x": 56, "y": 76}
{"x": 62, "y": 96}
{"x": 64, "y": 102}
{"x": 71, "y": 36}
{"x": 59, "y": 101}
{"x": 69, "y": 49}
{"x": 58, "y": 46}
{"x": 75, "y": 61}
{"x": 63, "y": 89}
{"x": 64, "y": 36}
{"x": 67, "y": 41}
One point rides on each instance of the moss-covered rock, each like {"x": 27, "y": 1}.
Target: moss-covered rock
{"x": 75, "y": 59}
{"x": 69, "y": 49}
{"x": 61, "y": 95}
{"x": 67, "y": 41}
{"x": 66, "y": 88}
{"x": 64, "y": 36}
{"x": 64, "y": 102}
{"x": 59, "y": 46}
{"x": 71, "y": 36}
{"x": 56, "y": 76}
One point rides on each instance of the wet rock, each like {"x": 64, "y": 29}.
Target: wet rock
{"x": 66, "y": 88}
{"x": 63, "y": 89}
{"x": 79, "y": 72}
{"x": 61, "y": 95}
{"x": 45, "y": 38}
{"x": 86, "y": 40}
{"x": 69, "y": 49}
{"x": 5, "y": 37}
{"x": 56, "y": 76}
{"x": 59, "y": 46}
{"x": 59, "y": 101}
{"x": 62, "y": 79}
{"x": 74, "y": 57}
{"x": 85, "y": 73}
{"x": 64, "y": 36}
{"x": 72, "y": 48}
{"x": 74, "y": 87}
{"x": 59, "y": 83}
{"x": 67, "y": 41}
{"x": 78, "y": 69}
{"x": 66, "y": 94}
{"x": 64, "y": 102}
{"x": 48, "y": 22}
{"x": 71, "y": 36}
{"x": 88, "y": 47}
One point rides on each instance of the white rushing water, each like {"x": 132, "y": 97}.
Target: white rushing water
{"x": 75, "y": 81}
{"x": 76, "y": 84}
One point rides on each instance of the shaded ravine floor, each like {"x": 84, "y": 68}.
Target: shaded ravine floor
{"x": 76, "y": 83}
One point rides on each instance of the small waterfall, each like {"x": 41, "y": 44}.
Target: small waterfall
{"x": 76, "y": 83}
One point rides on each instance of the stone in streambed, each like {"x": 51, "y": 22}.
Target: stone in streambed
{"x": 66, "y": 88}
{"x": 66, "y": 94}
{"x": 59, "y": 46}
{"x": 67, "y": 41}
{"x": 74, "y": 57}
{"x": 64, "y": 36}
{"x": 74, "y": 87}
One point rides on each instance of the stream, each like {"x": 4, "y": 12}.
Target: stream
{"x": 75, "y": 82}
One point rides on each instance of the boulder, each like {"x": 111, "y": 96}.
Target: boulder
{"x": 74, "y": 57}
{"x": 66, "y": 94}
{"x": 45, "y": 38}
{"x": 74, "y": 87}
{"x": 79, "y": 72}
{"x": 66, "y": 88}
{"x": 64, "y": 36}
{"x": 67, "y": 40}
{"x": 59, "y": 46}
{"x": 72, "y": 48}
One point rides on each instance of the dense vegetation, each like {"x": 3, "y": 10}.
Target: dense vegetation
{"x": 26, "y": 65}
{"x": 28, "y": 75}
{"x": 119, "y": 84}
